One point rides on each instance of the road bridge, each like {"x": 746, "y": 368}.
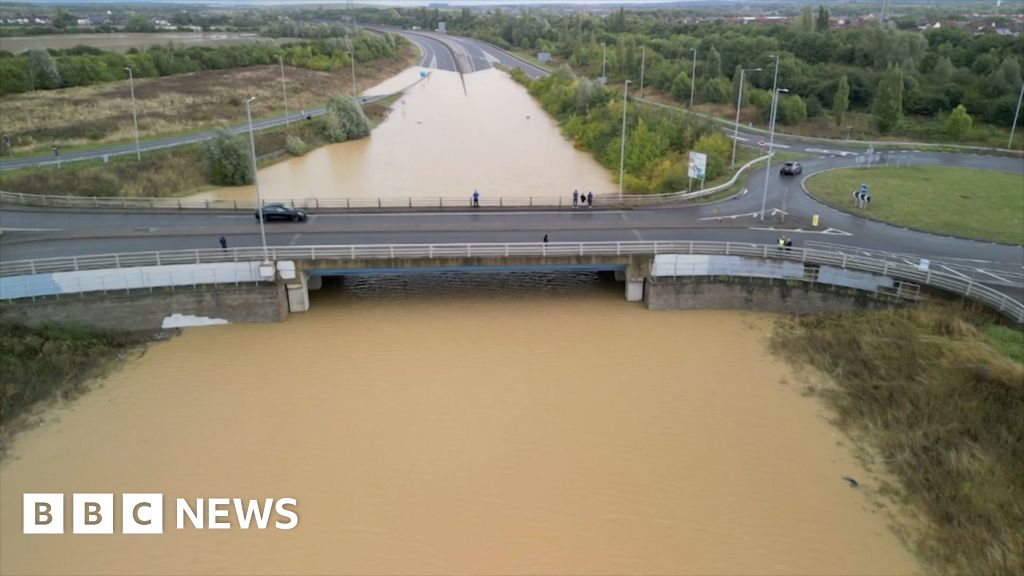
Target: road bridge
{"x": 281, "y": 278}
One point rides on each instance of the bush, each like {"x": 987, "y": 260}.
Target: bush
{"x": 227, "y": 160}
{"x": 345, "y": 120}
{"x": 295, "y": 146}
{"x": 791, "y": 110}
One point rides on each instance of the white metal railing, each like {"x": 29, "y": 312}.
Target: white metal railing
{"x": 328, "y": 203}
{"x": 966, "y": 287}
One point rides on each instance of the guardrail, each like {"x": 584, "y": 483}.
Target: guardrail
{"x": 328, "y": 203}
{"x": 947, "y": 282}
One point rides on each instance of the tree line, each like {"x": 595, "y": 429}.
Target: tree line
{"x": 84, "y": 65}
{"x": 878, "y": 69}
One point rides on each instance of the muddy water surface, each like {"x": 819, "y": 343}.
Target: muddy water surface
{"x": 490, "y": 424}
{"x": 443, "y": 140}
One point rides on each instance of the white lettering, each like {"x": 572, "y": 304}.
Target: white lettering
{"x": 292, "y": 515}
{"x": 253, "y": 510}
{"x": 218, "y": 508}
{"x": 185, "y": 510}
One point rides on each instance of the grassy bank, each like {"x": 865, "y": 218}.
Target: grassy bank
{"x": 929, "y": 391}
{"x": 51, "y": 362}
{"x": 100, "y": 115}
{"x": 964, "y": 202}
{"x": 163, "y": 173}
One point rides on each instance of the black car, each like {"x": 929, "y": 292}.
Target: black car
{"x": 791, "y": 169}
{"x": 281, "y": 212}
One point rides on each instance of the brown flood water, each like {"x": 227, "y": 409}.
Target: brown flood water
{"x": 490, "y": 424}
{"x": 441, "y": 141}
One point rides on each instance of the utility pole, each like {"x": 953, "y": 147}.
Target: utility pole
{"x": 693, "y": 77}
{"x": 256, "y": 178}
{"x": 622, "y": 151}
{"x": 771, "y": 135}
{"x": 604, "y": 63}
{"x": 135, "y": 114}
{"x": 284, "y": 90}
{"x": 1015, "y": 115}
{"x": 739, "y": 101}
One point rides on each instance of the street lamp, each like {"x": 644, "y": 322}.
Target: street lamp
{"x": 1015, "y": 115}
{"x": 135, "y": 114}
{"x": 739, "y": 101}
{"x": 284, "y": 90}
{"x": 771, "y": 135}
{"x": 256, "y": 178}
{"x": 622, "y": 151}
{"x": 604, "y": 63}
{"x": 693, "y": 77}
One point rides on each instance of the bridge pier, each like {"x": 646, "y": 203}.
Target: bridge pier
{"x": 298, "y": 292}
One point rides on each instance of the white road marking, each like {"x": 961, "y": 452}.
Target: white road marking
{"x": 829, "y": 231}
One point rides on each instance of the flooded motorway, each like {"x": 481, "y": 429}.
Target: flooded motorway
{"x": 441, "y": 140}
{"x": 489, "y": 424}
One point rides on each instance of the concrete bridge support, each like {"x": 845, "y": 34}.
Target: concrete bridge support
{"x": 298, "y": 292}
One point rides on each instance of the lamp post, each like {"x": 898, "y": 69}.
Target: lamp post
{"x": 1015, "y": 115}
{"x": 643, "y": 63}
{"x": 256, "y": 178}
{"x": 622, "y": 151}
{"x": 771, "y": 135}
{"x": 284, "y": 91}
{"x": 135, "y": 114}
{"x": 693, "y": 76}
{"x": 739, "y": 101}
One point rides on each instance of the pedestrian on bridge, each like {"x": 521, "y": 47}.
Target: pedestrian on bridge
{"x": 545, "y": 238}
{"x": 223, "y": 243}
{"x": 476, "y": 199}
{"x": 590, "y": 199}
{"x": 575, "y": 198}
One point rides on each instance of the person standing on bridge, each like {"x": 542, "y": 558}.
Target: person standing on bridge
{"x": 590, "y": 199}
{"x": 223, "y": 243}
{"x": 476, "y": 199}
{"x": 575, "y": 198}
{"x": 545, "y": 238}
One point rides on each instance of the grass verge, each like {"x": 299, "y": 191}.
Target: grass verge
{"x": 924, "y": 389}
{"x": 39, "y": 364}
{"x": 981, "y": 204}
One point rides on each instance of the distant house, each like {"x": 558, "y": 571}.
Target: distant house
{"x": 84, "y": 21}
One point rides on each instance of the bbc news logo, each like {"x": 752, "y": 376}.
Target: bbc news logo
{"x": 144, "y": 513}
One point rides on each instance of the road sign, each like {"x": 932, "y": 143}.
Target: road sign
{"x": 698, "y": 165}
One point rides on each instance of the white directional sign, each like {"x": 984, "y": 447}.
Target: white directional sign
{"x": 698, "y": 165}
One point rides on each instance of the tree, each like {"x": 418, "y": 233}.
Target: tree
{"x": 42, "y": 70}
{"x": 681, "y": 87}
{"x": 822, "y": 24}
{"x": 714, "y": 63}
{"x": 715, "y": 90}
{"x": 942, "y": 73}
{"x": 791, "y": 110}
{"x": 888, "y": 105}
{"x": 227, "y": 160}
{"x": 806, "y": 19}
{"x": 958, "y": 123}
{"x": 64, "y": 20}
{"x": 841, "y": 101}
{"x": 345, "y": 120}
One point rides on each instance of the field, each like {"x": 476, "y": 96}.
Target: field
{"x": 102, "y": 114}
{"x": 963, "y": 202}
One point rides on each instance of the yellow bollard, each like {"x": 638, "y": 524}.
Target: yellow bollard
{"x": 814, "y": 220}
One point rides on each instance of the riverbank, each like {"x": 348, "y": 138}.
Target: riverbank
{"x": 929, "y": 392}
{"x": 42, "y": 364}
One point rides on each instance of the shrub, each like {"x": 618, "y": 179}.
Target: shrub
{"x": 227, "y": 160}
{"x": 295, "y": 146}
{"x": 345, "y": 120}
